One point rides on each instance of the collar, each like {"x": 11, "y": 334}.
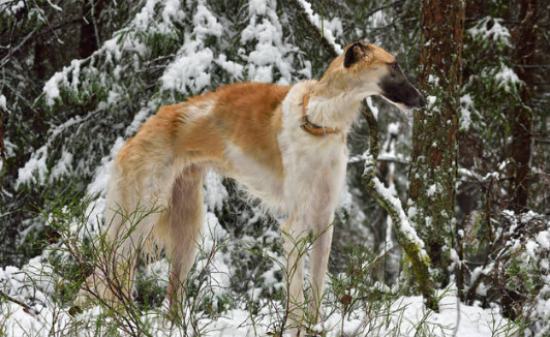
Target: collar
{"x": 312, "y": 128}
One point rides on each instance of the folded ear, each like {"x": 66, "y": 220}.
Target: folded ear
{"x": 355, "y": 52}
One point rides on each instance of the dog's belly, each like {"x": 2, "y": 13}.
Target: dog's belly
{"x": 260, "y": 181}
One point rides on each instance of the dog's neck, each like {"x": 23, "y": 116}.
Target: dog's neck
{"x": 331, "y": 107}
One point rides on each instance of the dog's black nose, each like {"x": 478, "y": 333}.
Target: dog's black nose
{"x": 422, "y": 102}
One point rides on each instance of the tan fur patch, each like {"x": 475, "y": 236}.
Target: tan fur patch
{"x": 247, "y": 115}
{"x": 376, "y": 54}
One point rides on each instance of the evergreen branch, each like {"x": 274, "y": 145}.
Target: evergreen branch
{"x": 329, "y": 47}
{"x": 405, "y": 234}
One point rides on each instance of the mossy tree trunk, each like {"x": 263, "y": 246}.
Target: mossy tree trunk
{"x": 404, "y": 233}
{"x": 432, "y": 190}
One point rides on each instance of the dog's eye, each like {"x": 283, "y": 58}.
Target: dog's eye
{"x": 394, "y": 65}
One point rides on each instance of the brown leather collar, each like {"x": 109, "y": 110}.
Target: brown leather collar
{"x": 312, "y": 128}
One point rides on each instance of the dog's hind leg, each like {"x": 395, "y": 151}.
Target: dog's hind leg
{"x": 132, "y": 210}
{"x": 182, "y": 228}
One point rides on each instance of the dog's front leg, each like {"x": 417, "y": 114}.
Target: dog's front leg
{"x": 319, "y": 256}
{"x": 295, "y": 246}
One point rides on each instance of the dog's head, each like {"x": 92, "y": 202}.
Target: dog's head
{"x": 370, "y": 70}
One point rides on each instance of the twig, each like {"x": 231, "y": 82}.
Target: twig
{"x": 26, "y": 307}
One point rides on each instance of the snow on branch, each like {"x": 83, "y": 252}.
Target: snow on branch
{"x": 317, "y": 26}
{"x": 404, "y": 231}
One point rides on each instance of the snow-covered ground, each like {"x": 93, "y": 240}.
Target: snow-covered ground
{"x": 406, "y": 317}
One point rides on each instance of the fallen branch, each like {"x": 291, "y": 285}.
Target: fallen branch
{"x": 404, "y": 232}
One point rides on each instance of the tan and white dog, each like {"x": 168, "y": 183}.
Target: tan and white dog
{"x": 286, "y": 144}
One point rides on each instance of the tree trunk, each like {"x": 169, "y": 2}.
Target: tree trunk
{"x": 524, "y": 40}
{"x": 89, "y": 34}
{"x": 432, "y": 190}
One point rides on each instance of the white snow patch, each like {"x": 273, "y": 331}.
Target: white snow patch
{"x": 233, "y": 68}
{"x": 402, "y": 318}
{"x": 11, "y": 7}
{"x": 265, "y": 29}
{"x": 51, "y": 88}
{"x": 329, "y": 29}
{"x": 191, "y": 69}
{"x": 431, "y": 190}
{"x": 3, "y": 104}
{"x": 543, "y": 239}
{"x": 497, "y": 32}
{"x": 506, "y": 77}
{"x": 35, "y": 169}
{"x": 431, "y": 100}
{"x": 466, "y": 112}
{"x": 63, "y": 166}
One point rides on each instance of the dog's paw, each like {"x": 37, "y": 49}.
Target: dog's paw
{"x": 317, "y": 329}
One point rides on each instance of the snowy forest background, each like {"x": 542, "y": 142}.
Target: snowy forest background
{"x": 472, "y": 170}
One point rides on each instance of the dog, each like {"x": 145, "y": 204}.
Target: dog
{"x": 285, "y": 144}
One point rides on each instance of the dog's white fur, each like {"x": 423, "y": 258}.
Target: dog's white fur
{"x": 294, "y": 171}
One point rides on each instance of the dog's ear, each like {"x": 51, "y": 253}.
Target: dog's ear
{"x": 355, "y": 53}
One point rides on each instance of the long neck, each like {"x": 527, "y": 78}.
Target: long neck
{"x": 333, "y": 107}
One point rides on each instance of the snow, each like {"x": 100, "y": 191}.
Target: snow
{"x": 497, "y": 32}
{"x": 431, "y": 190}
{"x": 233, "y": 68}
{"x": 205, "y": 22}
{"x": 191, "y": 69}
{"x": 3, "y": 105}
{"x": 270, "y": 50}
{"x": 139, "y": 118}
{"x": 406, "y": 226}
{"x": 543, "y": 239}
{"x": 11, "y": 7}
{"x": 141, "y": 20}
{"x": 372, "y": 107}
{"x": 35, "y": 169}
{"x": 406, "y": 314}
{"x": 54, "y": 6}
{"x": 219, "y": 266}
{"x": 62, "y": 167}
{"x": 393, "y": 128}
{"x": 531, "y": 247}
{"x": 431, "y": 101}
{"x": 214, "y": 192}
{"x": 329, "y": 29}
{"x": 466, "y": 112}
{"x": 506, "y": 77}
{"x": 172, "y": 11}
{"x": 51, "y": 88}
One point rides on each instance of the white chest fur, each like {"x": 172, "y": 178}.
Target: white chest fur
{"x": 314, "y": 166}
